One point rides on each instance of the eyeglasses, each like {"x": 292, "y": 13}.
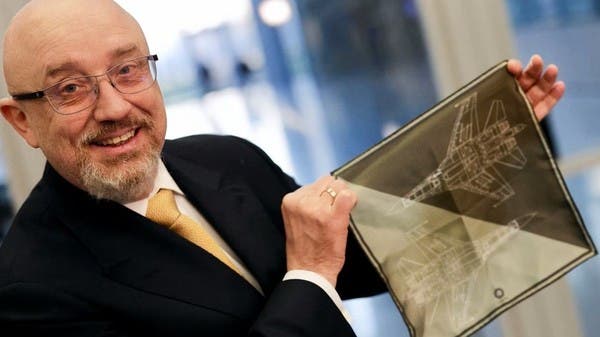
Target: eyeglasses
{"x": 76, "y": 94}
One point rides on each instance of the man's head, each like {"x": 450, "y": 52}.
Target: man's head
{"x": 110, "y": 149}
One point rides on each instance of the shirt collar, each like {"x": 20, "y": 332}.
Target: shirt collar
{"x": 163, "y": 180}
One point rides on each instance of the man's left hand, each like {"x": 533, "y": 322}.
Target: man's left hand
{"x": 540, "y": 86}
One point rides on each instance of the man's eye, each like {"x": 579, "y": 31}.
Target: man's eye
{"x": 69, "y": 88}
{"x": 126, "y": 69}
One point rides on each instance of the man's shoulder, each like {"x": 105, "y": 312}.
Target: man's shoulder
{"x": 38, "y": 206}
{"x": 208, "y": 144}
{"x": 227, "y": 155}
{"x": 221, "y": 152}
{"x": 37, "y": 235}
{"x": 37, "y": 242}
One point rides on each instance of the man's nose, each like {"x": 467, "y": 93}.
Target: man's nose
{"x": 111, "y": 104}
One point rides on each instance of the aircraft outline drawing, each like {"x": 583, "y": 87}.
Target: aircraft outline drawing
{"x": 472, "y": 155}
{"x": 448, "y": 270}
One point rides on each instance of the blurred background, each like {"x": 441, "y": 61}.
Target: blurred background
{"x": 315, "y": 83}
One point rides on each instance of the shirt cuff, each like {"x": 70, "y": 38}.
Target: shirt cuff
{"x": 322, "y": 283}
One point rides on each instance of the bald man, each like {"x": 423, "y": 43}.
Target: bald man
{"x": 248, "y": 252}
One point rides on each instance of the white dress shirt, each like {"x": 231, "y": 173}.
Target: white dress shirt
{"x": 165, "y": 181}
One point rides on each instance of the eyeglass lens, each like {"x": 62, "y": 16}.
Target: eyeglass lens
{"x": 76, "y": 94}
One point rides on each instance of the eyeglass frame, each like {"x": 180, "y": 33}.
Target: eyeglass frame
{"x": 42, "y": 93}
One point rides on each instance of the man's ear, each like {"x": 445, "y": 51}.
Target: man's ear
{"x": 13, "y": 113}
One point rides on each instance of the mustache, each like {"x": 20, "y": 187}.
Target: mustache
{"x": 108, "y": 127}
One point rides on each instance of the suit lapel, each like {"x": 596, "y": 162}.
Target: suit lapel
{"x": 135, "y": 251}
{"x": 231, "y": 207}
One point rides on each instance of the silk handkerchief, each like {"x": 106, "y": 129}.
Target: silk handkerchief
{"x": 463, "y": 211}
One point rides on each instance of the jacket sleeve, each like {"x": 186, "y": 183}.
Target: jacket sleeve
{"x": 300, "y": 308}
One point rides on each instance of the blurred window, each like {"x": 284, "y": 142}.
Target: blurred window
{"x": 564, "y": 31}
{"x": 6, "y": 212}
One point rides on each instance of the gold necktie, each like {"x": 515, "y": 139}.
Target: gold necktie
{"x": 163, "y": 210}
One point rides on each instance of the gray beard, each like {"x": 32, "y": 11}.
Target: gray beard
{"x": 126, "y": 185}
{"x": 125, "y": 178}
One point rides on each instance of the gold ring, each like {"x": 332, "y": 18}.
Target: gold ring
{"x": 332, "y": 193}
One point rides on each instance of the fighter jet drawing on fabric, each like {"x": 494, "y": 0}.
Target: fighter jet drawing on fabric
{"x": 472, "y": 154}
{"x": 446, "y": 269}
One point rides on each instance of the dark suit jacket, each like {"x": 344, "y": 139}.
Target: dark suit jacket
{"x": 73, "y": 265}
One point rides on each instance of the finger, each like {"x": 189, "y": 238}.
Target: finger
{"x": 344, "y": 202}
{"x": 305, "y": 196}
{"x": 346, "y": 197}
{"x": 543, "y": 107}
{"x": 541, "y": 89}
{"x": 550, "y": 74}
{"x": 332, "y": 191}
{"x": 532, "y": 72}
{"x": 328, "y": 196}
{"x": 338, "y": 185}
{"x": 514, "y": 67}
{"x": 321, "y": 184}
{"x": 534, "y": 67}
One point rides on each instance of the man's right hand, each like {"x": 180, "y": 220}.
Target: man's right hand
{"x": 316, "y": 226}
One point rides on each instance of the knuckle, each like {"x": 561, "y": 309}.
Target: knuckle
{"x": 326, "y": 179}
{"x": 348, "y": 195}
{"x": 292, "y": 202}
{"x": 288, "y": 200}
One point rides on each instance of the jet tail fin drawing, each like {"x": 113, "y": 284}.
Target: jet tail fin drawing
{"x": 467, "y": 119}
{"x": 495, "y": 114}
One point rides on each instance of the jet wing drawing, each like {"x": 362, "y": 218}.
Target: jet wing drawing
{"x": 490, "y": 183}
{"x": 496, "y": 144}
{"x": 473, "y": 152}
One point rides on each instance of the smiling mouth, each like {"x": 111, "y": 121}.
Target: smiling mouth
{"x": 116, "y": 141}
